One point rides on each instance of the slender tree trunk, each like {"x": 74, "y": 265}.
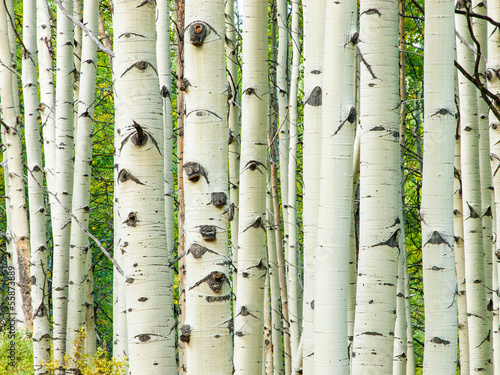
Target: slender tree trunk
{"x": 61, "y": 220}
{"x": 314, "y": 24}
{"x": 293, "y": 243}
{"x": 208, "y": 340}
{"x": 17, "y": 226}
{"x": 140, "y": 187}
{"x": 335, "y": 196}
{"x": 38, "y": 218}
{"x": 234, "y": 130}
{"x": 252, "y": 258}
{"x": 80, "y": 245}
{"x": 164, "y": 72}
{"x": 380, "y": 222}
{"x": 478, "y": 322}
{"x": 437, "y": 206}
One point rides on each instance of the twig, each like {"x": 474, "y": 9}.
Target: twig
{"x": 85, "y": 30}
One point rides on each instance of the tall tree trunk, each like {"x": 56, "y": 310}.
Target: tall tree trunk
{"x": 478, "y": 322}
{"x": 164, "y": 72}
{"x": 294, "y": 290}
{"x": 208, "y": 340}
{"x": 140, "y": 187}
{"x": 380, "y": 222}
{"x": 252, "y": 258}
{"x": 17, "y": 226}
{"x": 437, "y": 190}
{"x": 234, "y": 129}
{"x": 61, "y": 220}
{"x": 314, "y": 25}
{"x": 335, "y": 196}
{"x": 80, "y": 245}
{"x": 38, "y": 218}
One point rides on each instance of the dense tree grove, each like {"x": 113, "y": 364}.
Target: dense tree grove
{"x": 250, "y": 187}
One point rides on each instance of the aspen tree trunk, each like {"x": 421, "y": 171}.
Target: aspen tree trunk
{"x": 480, "y": 30}
{"x": 314, "y": 24}
{"x": 335, "y": 196}
{"x": 478, "y": 322}
{"x": 38, "y": 218}
{"x": 181, "y": 114}
{"x": 140, "y": 187}
{"x": 277, "y": 326}
{"x": 61, "y": 221}
{"x": 208, "y": 292}
{"x": 79, "y": 242}
{"x": 234, "y": 130}
{"x": 493, "y": 84}
{"x": 458, "y": 230}
{"x": 77, "y": 57}
{"x": 293, "y": 243}
{"x": 17, "y": 226}
{"x": 164, "y": 72}
{"x": 437, "y": 206}
{"x": 379, "y": 208}
{"x": 283, "y": 124}
{"x": 46, "y": 80}
{"x": 90, "y": 318}
{"x": 252, "y": 259}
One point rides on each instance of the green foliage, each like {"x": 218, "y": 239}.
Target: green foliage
{"x": 16, "y": 351}
{"x": 100, "y": 364}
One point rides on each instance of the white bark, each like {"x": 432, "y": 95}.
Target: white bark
{"x": 478, "y": 322}
{"x": 208, "y": 340}
{"x": 294, "y": 289}
{"x": 437, "y": 206}
{"x": 335, "y": 196}
{"x": 252, "y": 259}
{"x": 79, "y": 241}
{"x": 140, "y": 187}
{"x": 234, "y": 129}
{"x": 458, "y": 230}
{"x": 38, "y": 219}
{"x": 314, "y": 24}
{"x": 379, "y": 208}
{"x": 164, "y": 72}
{"x": 17, "y": 226}
{"x": 61, "y": 221}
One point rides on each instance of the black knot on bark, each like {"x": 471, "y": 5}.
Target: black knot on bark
{"x": 208, "y": 232}
{"x": 140, "y": 137}
{"x": 219, "y": 199}
{"x": 131, "y": 220}
{"x": 185, "y": 333}
{"x": 216, "y": 280}
{"x": 198, "y": 31}
{"x": 194, "y": 171}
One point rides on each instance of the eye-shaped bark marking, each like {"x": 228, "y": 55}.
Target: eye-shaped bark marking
{"x": 437, "y": 239}
{"x": 194, "y": 171}
{"x": 218, "y": 199}
{"x": 164, "y": 92}
{"x": 254, "y": 165}
{"x": 351, "y": 117}
{"x": 472, "y": 212}
{"x": 256, "y": 224}
{"x": 197, "y": 251}
{"x": 438, "y": 340}
{"x": 209, "y": 299}
{"x": 125, "y": 175}
{"x": 198, "y": 31}
{"x": 372, "y": 333}
{"x": 144, "y": 337}
{"x": 355, "y": 38}
{"x": 215, "y": 281}
{"x": 139, "y": 137}
{"x": 244, "y": 312}
{"x": 185, "y": 333}
{"x": 230, "y": 211}
{"x": 371, "y": 12}
{"x": 315, "y": 99}
{"x": 393, "y": 241}
{"x": 149, "y": 2}
{"x": 443, "y": 112}
{"x": 184, "y": 84}
{"x": 140, "y": 65}
{"x": 131, "y": 220}
{"x": 208, "y": 232}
